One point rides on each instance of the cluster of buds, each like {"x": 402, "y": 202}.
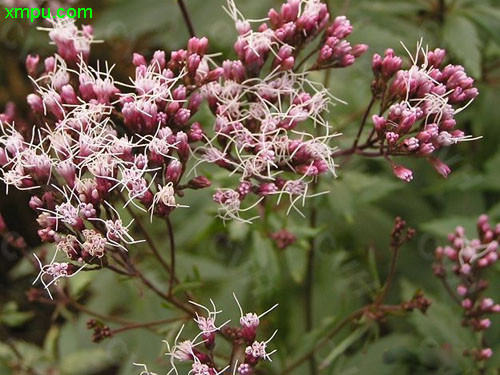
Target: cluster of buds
{"x": 199, "y": 352}
{"x": 336, "y": 51}
{"x": 165, "y": 93}
{"x": 469, "y": 258}
{"x": 283, "y": 238}
{"x": 95, "y": 145}
{"x": 100, "y": 331}
{"x": 269, "y": 126}
{"x": 421, "y": 103}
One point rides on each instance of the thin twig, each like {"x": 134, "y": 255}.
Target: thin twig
{"x": 187, "y": 19}
{"x": 172, "y": 256}
{"x": 148, "y": 324}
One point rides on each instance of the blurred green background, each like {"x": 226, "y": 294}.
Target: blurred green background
{"x": 355, "y": 218}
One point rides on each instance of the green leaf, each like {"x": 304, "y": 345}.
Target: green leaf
{"x": 442, "y": 227}
{"x": 296, "y": 258}
{"x": 85, "y": 362}
{"x": 189, "y": 285}
{"x": 461, "y": 37}
{"x": 344, "y": 345}
{"x": 50, "y": 345}
{"x": 12, "y": 317}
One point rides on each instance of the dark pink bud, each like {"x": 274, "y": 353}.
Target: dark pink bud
{"x": 179, "y": 93}
{"x": 182, "y": 116}
{"x": 36, "y": 203}
{"x": 68, "y": 95}
{"x": 50, "y": 64}
{"x": 436, "y": 57}
{"x": 199, "y": 182}
{"x": 138, "y": 60}
{"x": 274, "y": 18}
{"x": 267, "y": 188}
{"x": 32, "y": 64}
{"x": 159, "y": 58}
{"x": 35, "y": 102}
{"x": 173, "y": 172}
{"x": 379, "y": 122}
{"x": 195, "y": 133}
{"x": 359, "y": 49}
{"x": 402, "y": 172}
{"x": 193, "y": 63}
{"x": 440, "y": 167}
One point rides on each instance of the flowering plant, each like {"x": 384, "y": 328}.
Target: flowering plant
{"x": 114, "y": 158}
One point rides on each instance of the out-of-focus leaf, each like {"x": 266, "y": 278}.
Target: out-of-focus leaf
{"x": 488, "y": 18}
{"x": 461, "y": 37}
{"x": 86, "y": 362}
{"x": 296, "y": 258}
{"x": 11, "y": 316}
{"x": 442, "y": 227}
{"x": 441, "y": 324}
{"x": 50, "y": 345}
{"x": 266, "y": 267}
{"x": 190, "y": 285}
{"x": 342, "y": 346}
{"x": 78, "y": 285}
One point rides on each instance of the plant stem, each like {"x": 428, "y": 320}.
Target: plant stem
{"x": 149, "y": 240}
{"x": 147, "y": 325}
{"x": 450, "y": 291}
{"x": 392, "y": 271}
{"x": 172, "y": 256}
{"x": 187, "y": 19}
{"x": 363, "y": 122}
{"x": 354, "y": 315}
{"x": 309, "y": 282}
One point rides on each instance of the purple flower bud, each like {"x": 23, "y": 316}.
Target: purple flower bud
{"x": 179, "y": 93}
{"x": 391, "y": 137}
{"x": 359, "y": 49}
{"x": 197, "y": 46}
{"x": 195, "y": 134}
{"x": 484, "y": 324}
{"x": 376, "y": 63}
{"x": 426, "y": 149}
{"x": 200, "y": 182}
{"x": 173, "y": 172}
{"x": 440, "y": 167}
{"x": 68, "y": 95}
{"x": 244, "y": 189}
{"x": 486, "y": 304}
{"x": 138, "y": 60}
{"x": 467, "y": 304}
{"x": 50, "y": 64}
{"x": 267, "y": 188}
{"x": 461, "y": 290}
{"x": 411, "y": 144}
{"x": 274, "y": 18}
{"x": 436, "y": 57}
{"x": 182, "y": 116}
{"x": 36, "y": 203}
{"x": 159, "y": 58}
{"x": 194, "y": 102}
{"x": 193, "y": 62}
{"x": 402, "y": 172}
{"x": 379, "y": 122}
{"x": 32, "y": 64}
{"x": 485, "y": 353}
{"x": 35, "y": 102}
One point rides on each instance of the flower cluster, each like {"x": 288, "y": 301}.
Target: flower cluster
{"x": 199, "y": 351}
{"x": 98, "y": 144}
{"x": 469, "y": 258}
{"x": 421, "y": 103}
{"x": 269, "y": 124}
